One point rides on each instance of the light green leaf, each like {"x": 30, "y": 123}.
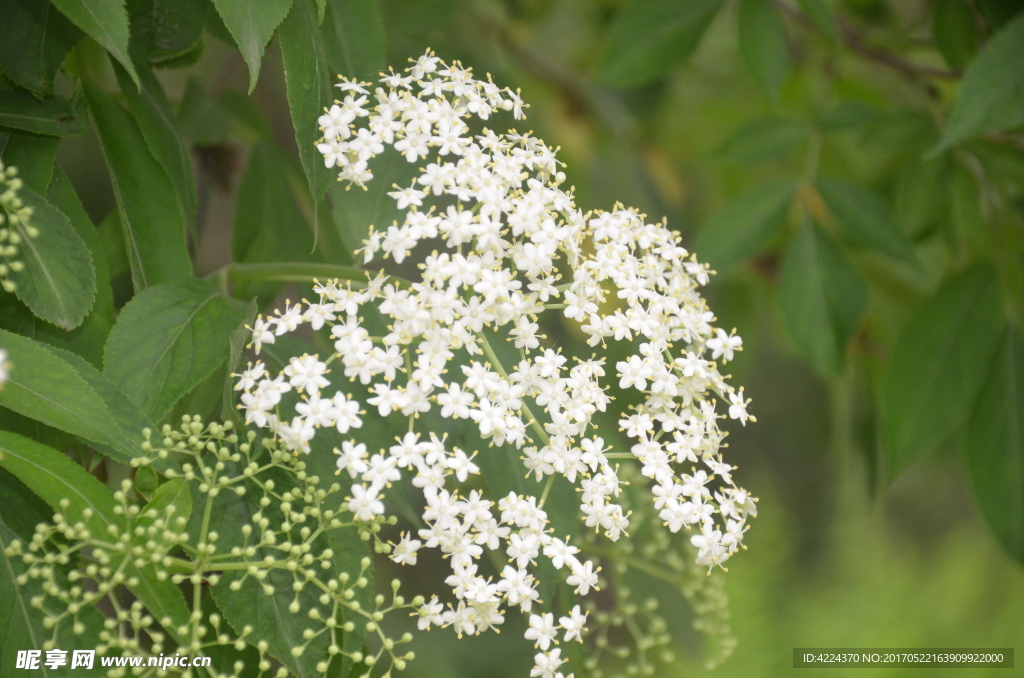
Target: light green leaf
{"x": 823, "y": 299}
{"x": 763, "y": 139}
{"x": 62, "y": 390}
{"x": 52, "y": 115}
{"x": 763, "y": 46}
{"x": 995, "y": 446}
{"x": 353, "y": 32}
{"x": 747, "y": 224}
{"x": 991, "y": 95}
{"x": 167, "y": 339}
{"x": 58, "y": 282}
{"x": 252, "y": 23}
{"x": 151, "y": 220}
{"x": 938, "y": 366}
{"x": 34, "y": 43}
{"x": 105, "y": 21}
{"x": 955, "y": 31}
{"x": 866, "y": 219}
{"x": 648, "y": 37}
{"x": 34, "y": 155}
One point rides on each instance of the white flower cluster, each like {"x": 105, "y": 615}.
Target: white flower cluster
{"x": 511, "y": 235}
{"x": 14, "y": 225}
{"x": 5, "y": 367}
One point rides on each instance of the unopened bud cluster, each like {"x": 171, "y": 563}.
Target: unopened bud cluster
{"x": 15, "y": 226}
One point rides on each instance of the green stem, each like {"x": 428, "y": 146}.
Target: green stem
{"x": 294, "y": 271}
{"x": 493, "y": 357}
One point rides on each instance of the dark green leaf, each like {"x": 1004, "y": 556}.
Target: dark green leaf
{"x": 998, "y": 12}
{"x": 62, "y": 390}
{"x": 353, "y": 32}
{"x": 151, "y": 219}
{"x": 167, "y": 339}
{"x": 866, "y": 219}
{"x": 938, "y": 366}
{"x": 991, "y": 95}
{"x": 846, "y": 114}
{"x": 174, "y": 493}
{"x": 105, "y": 21}
{"x": 308, "y": 81}
{"x": 919, "y": 195}
{"x": 58, "y": 282}
{"x": 763, "y": 46}
{"x": 177, "y": 29}
{"x": 763, "y": 139}
{"x": 823, "y": 299}
{"x": 156, "y": 121}
{"x": 648, "y": 37}
{"x": 900, "y": 131}
{"x": 252, "y": 23}
{"x": 821, "y": 14}
{"x": 995, "y": 446}
{"x": 33, "y": 154}
{"x": 955, "y": 30}
{"x": 200, "y": 117}
{"x": 963, "y": 222}
{"x": 147, "y": 480}
{"x": 34, "y": 42}
{"x": 52, "y": 115}
{"x": 747, "y": 224}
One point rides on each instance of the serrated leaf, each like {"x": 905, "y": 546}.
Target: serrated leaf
{"x": 105, "y": 21}
{"x": 151, "y": 220}
{"x": 34, "y": 43}
{"x": 648, "y": 37}
{"x": 763, "y": 46}
{"x": 152, "y": 111}
{"x": 34, "y": 155}
{"x": 866, "y": 219}
{"x": 62, "y": 390}
{"x": 58, "y": 282}
{"x": 51, "y": 115}
{"x": 938, "y": 366}
{"x": 823, "y": 299}
{"x": 251, "y": 24}
{"x": 763, "y": 139}
{"x": 991, "y": 96}
{"x": 308, "y": 81}
{"x": 176, "y": 493}
{"x": 955, "y": 31}
{"x": 353, "y": 33}
{"x": 747, "y": 223}
{"x": 54, "y": 477}
{"x": 167, "y": 339}
{"x": 995, "y": 446}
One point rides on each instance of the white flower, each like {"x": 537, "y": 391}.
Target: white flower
{"x": 364, "y": 503}
{"x": 583, "y": 578}
{"x": 405, "y": 550}
{"x": 5, "y": 366}
{"x": 546, "y": 664}
{"x": 724, "y": 345}
{"x": 573, "y": 624}
{"x": 542, "y": 630}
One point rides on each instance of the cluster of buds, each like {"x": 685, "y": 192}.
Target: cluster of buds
{"x": 15, "y": 226}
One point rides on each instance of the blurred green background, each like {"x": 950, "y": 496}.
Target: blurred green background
{"x": 679, "y": 117}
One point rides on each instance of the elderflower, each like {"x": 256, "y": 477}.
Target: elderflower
{"x": 512, "y": 247}
{"x": 14, "y": 225}
{"x": 5, "y": 367}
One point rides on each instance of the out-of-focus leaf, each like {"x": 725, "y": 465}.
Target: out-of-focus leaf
{"x": 34, "y": 42}
{"x": 991, "y": 96}
{"x": 955, "y": 31}
{"x": 177, "y": 29}
{"x": 251, "y": 24}
{"x": 995, "y": 446}
{"x": 151, "y": 220}
{"x": 353, "y": 32}
{"x": 167, "y": 339}
{"x": 998, "y": 12}
{"x": 866, "y": 219}
{"x": 152, "y": 111}
{"x": 241, "y": 107}
{"x": 919, "y": 196}
{"x": 200, "y": 117}
{"x": 648, "y": 37}
{"x": 763, "y": 139}
{"x": 821, "y": 14}
{"x": 823, "y": 299}
{"x": 33, "y": 154}
{"x": 747, "y": 224}
{"x": 963, "y": 222}
{"x": 355, "y": 210}
{"x": 763, "y": 46}
{"x": 52, "y": 115}
{"x": 106, "y": 22}
{"x": 847, "y": 114}
{"x": 938, "y": 366}
{"x": 308, "y": 81}
{"x": 900, "y": 131}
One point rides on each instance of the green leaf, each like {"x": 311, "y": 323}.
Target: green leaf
{"x": 991, "y": 95}
{"x": 105, "y": 21}
{"x": 34, "y": 43}
{"x": 177, "y": 29}
{"x": 52, "y": 115}
{"x": 242, "y": 109}
{"x": 763, "y": 139}
{"x": 251, "y": 24}
{"x": 745, "y": 226}
{"x": 201, "y": 117}
{"x": 955, "y": 31}
{"x": 353, "y": 33}
{"x": 919, "y": 194}
{"x": 54, "y": 477}
{"x": 938, "y": 366}
{"x": 174, "y": 493}
{"x": 995, "y": 446}
{"x": 151, "y": 220}
{"x": 308, "y": 81}
{"x": 648, "y": 37}
{"x": 239, "y": 337}
{"x": 354, "y": 211}
{"x": 821, "y": 14}
{"x": 847, "y": 114}
{"x": 147, "y": 480}
{"x": 153, "y": 113}
{"x": 167, "y": 339}
{"x": 33, "y": 154}
{"x": 58, "y": 282}
{"x": 963, "y": 222}
{"x": 823, "y": 299}
{"x": 62, "y": 390}
{"x": 866, "y": 219}
{"x": 763, "y": 46}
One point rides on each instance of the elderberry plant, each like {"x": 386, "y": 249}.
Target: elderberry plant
{"x": 15, "y": 226}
